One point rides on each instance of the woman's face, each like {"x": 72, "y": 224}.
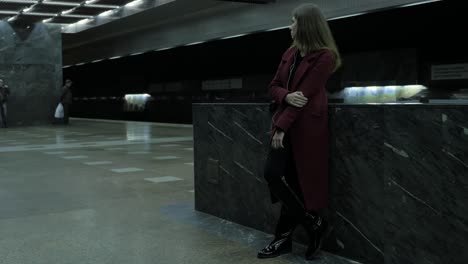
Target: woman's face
{"x": 293, "y": 28}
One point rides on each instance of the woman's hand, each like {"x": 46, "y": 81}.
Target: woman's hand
{"x": 296, "y": 99}
{"x": 277, "y": 140}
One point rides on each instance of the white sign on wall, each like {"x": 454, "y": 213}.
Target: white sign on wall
{"x": 449, "y": 71}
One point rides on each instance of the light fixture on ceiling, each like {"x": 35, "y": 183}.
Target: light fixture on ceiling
{"x": 58, "y": 3}
{"x": 277, "y": 28}
{"x": 83, "y": 21}
{"x": 134, "y": 3}
{"x": 420, "y": 3}
{"x": 347, "y": 16}
{"x": 194, "y": 43}
{"x": 68, "y": 11}
{"x": 235, "y": 36}
{"x": 107, "y": 13}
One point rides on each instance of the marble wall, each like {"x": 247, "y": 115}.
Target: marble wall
{"x": 399, "y": 178}
{"x": 31, "y": 65}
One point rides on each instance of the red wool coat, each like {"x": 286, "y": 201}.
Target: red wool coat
{"x": 307, "y": 126}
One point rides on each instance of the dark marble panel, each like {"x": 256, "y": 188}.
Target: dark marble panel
{"x": 398, "y": 178}
{"x": 426, "y": 183}
{"x": 356, "y": 180}
{"x": 236, "y": 137}
{"x": 31, "y": 65}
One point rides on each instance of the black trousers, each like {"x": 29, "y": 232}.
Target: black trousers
{"x": 66, "y": 113}
{"x": 281, "y": 175}
{"x": 3, "y": 114}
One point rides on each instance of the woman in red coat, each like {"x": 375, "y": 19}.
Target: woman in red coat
{"x": 297, "y": 165}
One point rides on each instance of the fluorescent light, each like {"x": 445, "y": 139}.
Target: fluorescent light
{"x": 78, "y": 64}
{"x": 47, "y": 20}
{"x": 420, "y": 3}
{"x": 39, "y": 14}
{"x": 19, "y": 1}
{"x": 134, "y": 3}
{"x": 136, "y": 53}
{"x": 137, "y": 96}
{"x": 12, "y": 18}
{"x": 194, "y": 43}
{"x": 235, "y": 36}
{"x": 5, "y": 12}
{"x": 107, "y": 13}
{"x": 115, "y": 57}
{"x": 346, "y": 16}
{"x": 91, "y": 1}
{"x": 97, "y": 60}
{"x": 277, "y": 28}
{"x": 68, "y": 11}
{"x": 27, "y": 9}
{"x": 163, "y": 49}
{"x": 83, "y": 21}
{"x": 58, "y": 3}
{"x": 103, "y": 6}
{"x": 78, "y": 16}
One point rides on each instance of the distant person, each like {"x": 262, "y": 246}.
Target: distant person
{"x": 66, "y": 99}
{"x": 296, "y": 168}
{"x": 4, "y": 93}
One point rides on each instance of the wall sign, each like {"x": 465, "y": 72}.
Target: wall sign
{"x": 449, "y": 72}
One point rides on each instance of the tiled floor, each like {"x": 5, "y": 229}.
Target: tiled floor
{"x": 111, "y": 192}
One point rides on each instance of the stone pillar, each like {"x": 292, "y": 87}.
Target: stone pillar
{"x": 31, "y": 65}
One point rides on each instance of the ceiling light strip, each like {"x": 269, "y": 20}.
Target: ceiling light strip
{"x": 6, "y": 12}
{"x": 75, "y": 16}
{"x": 19, "y": 1}
{"x": 60, "y": 3}
{"x": 102, "y": 6}
{"x": 134, "y": 3}
{"x": 38, "y": 14}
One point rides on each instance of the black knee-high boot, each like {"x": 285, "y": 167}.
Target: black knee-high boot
{"x": 283, "y": 183}
{"x": 282, "y": 243}
{"x": 315, "y": 227}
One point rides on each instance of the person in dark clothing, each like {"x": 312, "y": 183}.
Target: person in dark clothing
{"x": 66, "y": 99}
{"x": 4, "y": 93}
{"x": 296, "y": 168}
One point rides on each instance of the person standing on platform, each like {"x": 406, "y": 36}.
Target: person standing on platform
{"x": 4, "y": 93}
{"x": 66, "y": 99}
{"x": 296, "y": 168}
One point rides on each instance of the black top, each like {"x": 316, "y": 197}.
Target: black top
{"x": 4, "y": 92}
{"x": 292, "y": 71}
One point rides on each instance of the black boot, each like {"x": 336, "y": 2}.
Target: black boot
{"x": 280, "y": 245}
{"x": 316, "y": 227}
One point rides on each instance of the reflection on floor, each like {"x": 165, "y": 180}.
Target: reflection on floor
{"x": 112, "y": 192}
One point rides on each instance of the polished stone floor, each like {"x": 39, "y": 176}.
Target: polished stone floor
{"x": 113, "y": 192}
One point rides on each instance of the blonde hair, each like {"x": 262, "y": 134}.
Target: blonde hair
{"x": 313, "y": 32}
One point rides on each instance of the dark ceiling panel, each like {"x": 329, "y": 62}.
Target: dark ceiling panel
{"x": 50, "y": 8}
{"x": 90, "y": 11}
{"x": 113, "y": 2}
{"x": 29, "y": 19}
{"x": 68, "y": 1}
{"x": 13, "y": 6}
{"x": 65, "y": 20}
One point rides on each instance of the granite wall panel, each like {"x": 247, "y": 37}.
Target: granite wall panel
{"x": 31, "y": 65}
{"x": 398, "y": 178}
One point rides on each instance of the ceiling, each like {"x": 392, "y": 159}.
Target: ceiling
{"x": 72, "y": 13}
